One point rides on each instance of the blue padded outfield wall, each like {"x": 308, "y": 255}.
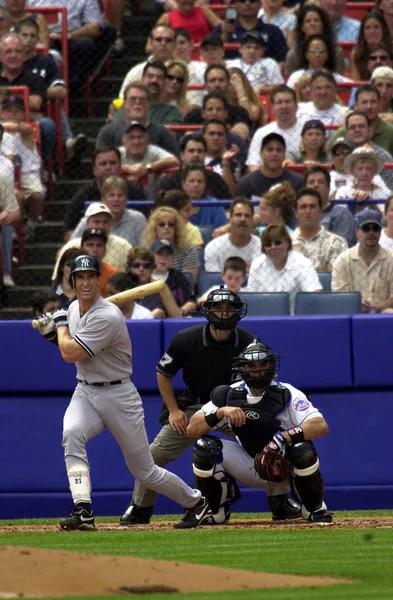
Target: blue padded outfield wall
{"x": 344, "y": 363}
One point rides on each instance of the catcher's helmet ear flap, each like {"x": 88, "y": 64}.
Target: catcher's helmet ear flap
{"x": 214, "y": 312}
{"x": 256, "y": 352}
{"x": 84, "y": 262}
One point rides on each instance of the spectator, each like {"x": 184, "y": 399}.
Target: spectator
{"x": 120, "y": 282}
{"x": 165, "y": 223}
{"x": 335, "y": 218}
{"x": 44, "y": 302}
{"x": 386, "y": 240}
{"x": 162, "y": 40}
{"x": 19, "y": 144}
{"x": 136, "y": 108}
{"x": 262, "y": 73}
{"x": 141, "y": 160}
{"x": 323, "y": 105}
{"x": 175, "y": 279}
{"x": 197, "y": 20}
{"x": 234, "y": 276}
{"x": 367, "y": 100}
{"x": 17, "y": 14}
{"x": 280, "y": 269}
{"x": 303, "y": 88}
{"x": 193, "y": 149}
{"x": 373, "y": 31}
{"x": 248, "y": 20}
{"x": 240, "y": 91}
{"x": 89, "y": 38}
{"x": 9, "y": 216}
{"x": 286, "y": 123}
{"x": 367, "y": 268}
{"x": 310, "y": 238}
{"x": 317, "y": 55}
{"x": 179, "y": 200}
{"x": 14, "y": 73}
{"x": 93, "y": 242}
{"x": 216, "y": 106}
{"x": 238, "y": 242}
{"x": 106, "y": 162}
{"x": 272, "y": 155}
{"x": 277, "y": 207}
{"x": 345, "y": 29}
{"x": 312, "y": 20}
{"x": 99, "y": 216}
{"x": 61, "y": 286}
{"x": 154, "y": 78}
{"x": 387, "y": 10}
{"x": 194, "y": 183}
{"x": 140, "y": 263}
{"x": 273, "y": 12}
{"x": 222, "y": 161}
{"x": 364, "y": 164}
{"x": 313, "y": 145}
{"x": 175, "y": 91}
{"x": 340, "y": 149}
{"x": 126, "y": 223}
{"x": 382, "y": 79}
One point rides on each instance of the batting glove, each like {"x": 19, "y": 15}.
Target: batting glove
{"x": 46, "y": 327}
{"x": 60, "y": 317}
{"x": 277, "y": 444}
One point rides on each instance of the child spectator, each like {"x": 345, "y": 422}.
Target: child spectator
{"x": 61, "y": 285}
{"x": 234, "y": 276}
{"x": 93, "y": 243}
{"x": 120, "y": 282}
{"x": 44, "y": 302}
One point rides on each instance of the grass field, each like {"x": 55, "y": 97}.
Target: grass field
{"x": 364, "y": 556}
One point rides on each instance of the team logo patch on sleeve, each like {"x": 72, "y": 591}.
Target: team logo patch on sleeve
{"x": 301, "y": 404}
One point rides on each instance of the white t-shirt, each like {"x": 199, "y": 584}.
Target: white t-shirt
{"x": 263, "y": 72}
{"x": 141, "y": 312}
{"x": 296, "y": 75}
{"x": 335, "y": 115}
{"x": 292, "y": 137}
{"x": 385, "y": 241}
{"x": 379, "y": 192}
{"x": 221, "y": 248}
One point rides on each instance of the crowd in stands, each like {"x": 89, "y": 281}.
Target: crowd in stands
{"x": 261, "y": 104}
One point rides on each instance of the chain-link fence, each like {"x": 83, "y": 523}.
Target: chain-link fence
{"x": 138, "y": 93}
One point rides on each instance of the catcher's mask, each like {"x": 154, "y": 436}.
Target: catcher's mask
{"x": 256, "y": 353}
{"x": 84, "y": 262}
{"x": 217, "y": 315}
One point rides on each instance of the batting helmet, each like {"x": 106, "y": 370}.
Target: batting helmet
{"x": 84, "y": 262}
{"x": 234, "y": 304}
{"x": 256, "y": 352}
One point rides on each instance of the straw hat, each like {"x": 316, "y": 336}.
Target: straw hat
{"x": 362, "y": 153}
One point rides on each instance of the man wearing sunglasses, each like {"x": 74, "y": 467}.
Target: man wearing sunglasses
{"x": 367, "y": 268}
{"x": 248, "y": 20}
{"x": 154, "y": 77}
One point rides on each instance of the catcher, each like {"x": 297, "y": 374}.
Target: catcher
{"x": 275, "y": 424}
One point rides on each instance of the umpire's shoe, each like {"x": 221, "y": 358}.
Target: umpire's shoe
{"x": 80, "y": 518}
{"x": 284, "y": 508}
{"x": 195, "y": 516}
{"x": 136, "y": 515}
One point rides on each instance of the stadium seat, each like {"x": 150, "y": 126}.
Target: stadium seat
{"x": 207, "y": 279}
{"x": 325, "y": 277}
{"x": 201, "y": 258}
{"x": 328, "y": 303}
{"x": 206, "y": 233}
{"x": 190, "y": 279}
{"x": 266, "y": 304}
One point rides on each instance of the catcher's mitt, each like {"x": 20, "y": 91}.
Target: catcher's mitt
{"x": 271, "y": 466}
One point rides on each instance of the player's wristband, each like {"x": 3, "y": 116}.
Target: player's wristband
{"x": 212, "y": 420}
{"x": 296, "y": 434}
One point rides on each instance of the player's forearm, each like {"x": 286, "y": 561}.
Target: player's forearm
{"x": 167, "y": 394}
{"x": 197, "y": 426}
{"x": 312, "y": 429}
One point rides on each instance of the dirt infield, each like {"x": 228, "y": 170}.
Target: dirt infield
{"x": 34, "y": 572}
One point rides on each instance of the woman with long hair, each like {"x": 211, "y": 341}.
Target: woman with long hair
{"x": 276, "y": 207}
{"x": 165, "y": 223}
{"x": 312, "y": 20}
{"x": 241, "y": 93}
{"x": 61, "y": 286}
{"x": 176, "y": 83}
{"x": 193, "y": 181}
{"x": 281, "y": 269}
{"x": 180, "y": 201}
{"x": 373, "y": 31}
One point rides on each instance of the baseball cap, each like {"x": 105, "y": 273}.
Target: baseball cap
{"x": 273, "y": 137}
{"x": 385, "y": 72}
{"x": 159, "y": 245}
{"x": 133, "y": 124}
{"x": 212, "y": 39}
{"x": 368, "y": 215}
{"x": 342, "y": 141}
{"x": 96, "y": 208}
{"x": 252, "y": 37}
{"x": 13, "y": 100}
{"x": 88, "y": 233}
{"x": 313, "y": 124}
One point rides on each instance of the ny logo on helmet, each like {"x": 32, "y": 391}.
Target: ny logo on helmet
{"x": 85, "y": 262}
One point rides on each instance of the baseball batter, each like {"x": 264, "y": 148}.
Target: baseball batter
{"x": 268, "y": 417}
{"x": 93, "y": 334}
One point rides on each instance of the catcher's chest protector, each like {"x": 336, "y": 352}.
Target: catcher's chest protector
{"x": 261, "y": 422}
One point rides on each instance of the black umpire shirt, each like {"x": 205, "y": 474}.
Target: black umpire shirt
{"x": 206, "y": 363}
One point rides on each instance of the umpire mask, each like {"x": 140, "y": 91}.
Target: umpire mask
{"x": 223, "y": 309}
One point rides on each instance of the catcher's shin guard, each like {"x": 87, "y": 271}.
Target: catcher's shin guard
{"x": 211, "y": 478}
{"x": 307, "y": 478}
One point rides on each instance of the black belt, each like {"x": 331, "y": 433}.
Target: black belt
{"x": 101, "y": 383}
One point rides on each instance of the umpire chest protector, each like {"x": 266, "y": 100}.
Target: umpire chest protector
{"x": 262, "y": 417}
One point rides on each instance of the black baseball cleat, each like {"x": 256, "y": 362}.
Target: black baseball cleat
{"x": 195, "y": 516}
{"x": 80, "y": 518}
{"x": 321, "y": 517}
{"x": 136, "y": 515}
{"x": 284, "y": 508}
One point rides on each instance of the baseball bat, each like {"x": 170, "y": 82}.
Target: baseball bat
{"x": 147, "y": 289}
